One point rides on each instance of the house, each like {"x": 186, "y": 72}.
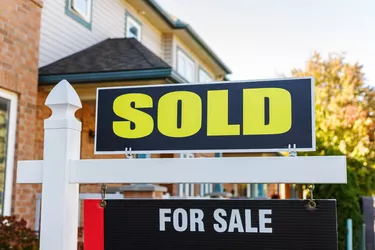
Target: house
{"x": 19, "y": 53}
{"x": 91, "y": 43}
{"x": 116, "y": 43}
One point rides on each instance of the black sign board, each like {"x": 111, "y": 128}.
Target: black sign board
{"x": 233, "y": 116}
{"x": 368, "y": 213}
{"x": 210, "y": 224}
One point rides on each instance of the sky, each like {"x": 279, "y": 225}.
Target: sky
{"x": 260, "y": 39}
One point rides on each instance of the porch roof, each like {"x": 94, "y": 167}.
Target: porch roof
{"x": 110, "y": 60}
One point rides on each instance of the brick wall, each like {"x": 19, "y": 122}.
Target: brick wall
{"x": 19, "y": 50}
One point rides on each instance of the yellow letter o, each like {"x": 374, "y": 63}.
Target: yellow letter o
{"x": 191, "y": 114}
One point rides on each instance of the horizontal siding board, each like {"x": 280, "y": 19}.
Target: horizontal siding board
{"x": 152, "y": 40}
{"x": 151, "y": 37}
{"x": 62, "y": 36}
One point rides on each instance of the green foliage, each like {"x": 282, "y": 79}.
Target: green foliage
{"x": 15, "y": 235}
{"x": 345, "y": 124}
{"x": 344, "y": 106}
{"x": 347, "y": 195}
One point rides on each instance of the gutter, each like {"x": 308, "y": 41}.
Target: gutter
{"x": 107, "y": 76}
{"x": 178, "y": 78}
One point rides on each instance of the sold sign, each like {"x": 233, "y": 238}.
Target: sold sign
{"x": 245, "y": 116}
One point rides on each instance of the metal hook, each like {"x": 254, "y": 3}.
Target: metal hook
{"x": 128, "y": 153}
{"x": 103, "y": 190}
{"x": 312, "y": 203}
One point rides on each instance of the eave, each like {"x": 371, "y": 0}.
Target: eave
{"x": 178, "y": 25}
{"x": 134, "y": 75}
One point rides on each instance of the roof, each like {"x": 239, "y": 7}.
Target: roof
{"x": 176, "y": 23}
{"x": 118, "y": 59}
{"x": 110, "y": 55}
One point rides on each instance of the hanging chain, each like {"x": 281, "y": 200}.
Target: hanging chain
{"x": 312, "y": 203}
{"x": 103, "y": 190}
{"x": 293, "y": 153}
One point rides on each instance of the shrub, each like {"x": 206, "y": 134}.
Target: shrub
{"x": 15, "y": 235}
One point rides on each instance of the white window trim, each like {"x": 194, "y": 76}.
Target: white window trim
{"x": 9, "y": 167}
{"x": 187, "y": 58}
{"x": 133, "y": 21}
{"x": 83, "y": 15}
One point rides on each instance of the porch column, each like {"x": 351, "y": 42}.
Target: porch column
{"x": 254, "y": 190}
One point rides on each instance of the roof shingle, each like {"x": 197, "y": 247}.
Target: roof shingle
{"x": 119, "y": 54}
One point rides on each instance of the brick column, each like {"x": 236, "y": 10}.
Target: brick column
{"x": 19, "y": 52}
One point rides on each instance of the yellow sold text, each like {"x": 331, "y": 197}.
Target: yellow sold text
{"x": 127, "y": 107}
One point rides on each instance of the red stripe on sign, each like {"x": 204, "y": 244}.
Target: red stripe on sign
{"x": 93, "y": 225}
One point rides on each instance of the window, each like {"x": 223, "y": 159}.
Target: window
{"x": 185, "y": 66}
{"x": 80, "y": 10}
{"x": 8, "y": 114}
{"x": 82, "y": 7}
{"x": 204, "y": 76}
{"x": 133, "y": 28}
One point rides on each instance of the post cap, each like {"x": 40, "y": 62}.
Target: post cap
{"x": 63, "y": 101}
{"x": 63, "y": 93}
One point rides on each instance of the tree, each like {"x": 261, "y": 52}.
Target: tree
{"x": 345, "y": 123}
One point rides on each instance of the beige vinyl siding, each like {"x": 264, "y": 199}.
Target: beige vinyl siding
{"x": 62, "y": 36}
{"x": 177, "y": 43}
{"x": 168, "y": 48}
{"x": 151, "y": 37}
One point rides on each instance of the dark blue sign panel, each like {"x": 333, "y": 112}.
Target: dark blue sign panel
{"x": 238, "y": 116}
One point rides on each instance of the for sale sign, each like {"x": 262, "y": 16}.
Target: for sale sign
{"x": 233, "y": 116}
{"x": 210, "y": 224}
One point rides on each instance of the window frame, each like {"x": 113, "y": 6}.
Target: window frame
{"x": 130, "y": 18}
{"x": 85, "y": 20}
{"x": 206, "y": 73}
{"x": 10, "y": 150}
{"x": 180, "y": 51}
{"x": 83, "y": 15}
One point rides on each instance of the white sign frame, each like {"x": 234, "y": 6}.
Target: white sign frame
{"x": 61, "y": 171}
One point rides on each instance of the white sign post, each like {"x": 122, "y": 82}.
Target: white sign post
{"x": 62, "y": 141}
{"x": 61, "y": 171}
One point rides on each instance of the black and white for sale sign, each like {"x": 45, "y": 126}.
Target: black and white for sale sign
{"x": 211, "y": 224}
